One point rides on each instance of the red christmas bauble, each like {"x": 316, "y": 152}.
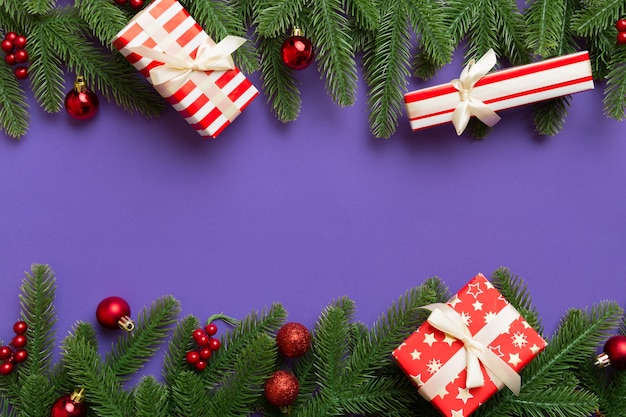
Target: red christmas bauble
{"x": 614, "y": 353}
{"x": 620, "y": 25}
{"x": 297, "y": 51}
{"x": 114, "y": 312}
{"x": 6, "y": 46}
{"x": 6, "y": 368}
{"x": 81, "y": 103}
{"x": 19, "y": 341}
{"x": 20, "y": 327}
{"x": 10, "y": 36}
{"x": 20, "y": 355}
{"x": 136, "y": 4}
{"x": 20, "y": 41}
{"x": 282, "y": 388}
{"x": 5, "y": 352}
{"x": 21, "y": 72}
{"x": 21, "y": 56}
{"x": 293, "y": 340}
{"x": 621, "y": 38}
{"x": 10, "y": 59}
{"x": 69, "y": 406}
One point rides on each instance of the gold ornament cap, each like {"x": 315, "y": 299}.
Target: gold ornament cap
{"x": 79, "y": 83}
{"x": 78, "y": 395}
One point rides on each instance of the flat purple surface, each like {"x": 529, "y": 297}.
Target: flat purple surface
{"x": 305, "y": 212}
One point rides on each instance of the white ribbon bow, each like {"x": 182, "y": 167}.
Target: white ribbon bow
{"x": 177, "y": 69}
{"x": 447, "y": 320}
{"x": 470, "y": 106}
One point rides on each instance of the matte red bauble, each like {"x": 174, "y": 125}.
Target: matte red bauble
{"x": 297, "y": 51}
{"x": 293, "y": 340}
{"x": 69, "y": 406}
{"x": 81, "y": 103}
{"x": 114, "y": 312}
{"x": 282, "y": 388}
{"x": 614, "y": 353}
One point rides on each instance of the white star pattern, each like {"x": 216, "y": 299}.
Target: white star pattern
{"x": 403, "y": 344}
{"x": 514, "y": 359}
{"x": 449, "y": 339}
{"x": 457, "y": 413}
{"x": 519, "y": 339}
{"x": 454, "y": 301}
{"x": 433, "y": 366}
{"x": 535, "y": 349}
{"x": 489, "y": 285}
{"x": 497, "y": 350}
{"x": 478, "y": 305}
{"x": 525, "y": 324}
{"x": 415, "y": 355}
{"x": 429, "y": 338}
{"x": 474, "y": 290}
{"x": 418, "y": 379}
{"x": 467, "y": 318}
{"x": 464, "y": 395}
{"x": 441, "y": 394}
{"x": 490, "y": 315}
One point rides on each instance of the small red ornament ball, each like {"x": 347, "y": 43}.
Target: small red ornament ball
{"x": 20, "y": 327}
{"x": 20, "y": 355}
{"x": 136, "y": 4}
{"x": 282, "y": 388}
{"x": 68, "y": 406}
{"x": 114, "y": 312}
{"x": 6, "y": 368}
{"x": 6, "y": 46}
{"x": 293, "y": 340}
{"x": 620, "y": 25}
{"x": 614, "y": 353}
{"x": 19, "y": 341}
{"x": 20, "y": 72}
{"x": 297, "y": 52}
{"x": 621, "y": 38}
{"x": 81, "y": 103}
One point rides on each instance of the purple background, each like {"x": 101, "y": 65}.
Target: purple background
{"x": 305, "y": 212}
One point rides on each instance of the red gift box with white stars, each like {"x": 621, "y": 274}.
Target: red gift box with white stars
{"x": 437, "y": 362}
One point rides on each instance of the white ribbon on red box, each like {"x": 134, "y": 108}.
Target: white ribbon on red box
{"x": 479, "y": 94}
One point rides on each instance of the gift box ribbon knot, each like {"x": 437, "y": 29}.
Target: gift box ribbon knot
{"x": 470, "y": 106}
{"x": 475, "y": 350}
{"x": 178, "y": 69}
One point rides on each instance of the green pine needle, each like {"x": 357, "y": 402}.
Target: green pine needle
{"x": 36, "y": 396}
{"x": 14, "y": 116}
{"x": 189, "y": 397}
{"x": 39, "y": 6}
{"x": 544, "y": 18}
{"x": 514, "y": 289}
{"x": 180, "y": 343}
{"x": 596, "y": 15}
{"x": 276, "y": 17}
{"x": 615, "y": 93}
{"x": 134, "y": 349}
{"x": 549, "y": 115}
{"x": 151, "y": 398}
{"x": 104, "y": 18}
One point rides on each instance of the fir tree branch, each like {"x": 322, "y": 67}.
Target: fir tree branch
{"x": 189, "y": 397}
{"x": 151, "y": 398}
{"x": 237, "y": 340}
{"x": 387, "y": 62}
{"x": 335, "y": 54}
{"x": 544, "y": 19}
{"x": 615, "y": 91}
{"x": 180, "y": 343}
{"x": 596, "y": 15}
{"x": 36, "y": 299}
{"x": 276, "y": 17}
{"x": 549, "y": 115}
{"x": 434, "y": 40}
{"x": 152, "y": 326}
{"x": 40, "y": 6}
{"x": 14, "y": 116}
{"x": 365, "y": 14}
{"x": 515, "y": 291}
{"x": 278, "y": 85}
{"x": 240, "y": 391}
{"x": 104, "y": 18}
{"x": 36, "y": 396}
{"x": 105, "y": 392}
{"x": 562, "y": 400}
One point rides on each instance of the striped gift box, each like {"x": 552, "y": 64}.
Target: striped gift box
{"x": 209, "y": 100}
{"x": 503, "y": 89}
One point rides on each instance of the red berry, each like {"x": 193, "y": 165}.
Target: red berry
{"x": 620, "y": 25}
{"x": 205, "y": 353}
{"x": 10, "y": 36}
{"x": 20, "y": 41}
{"x": 19, "y": 341}
{"x": 198, "y": 333}
{"x": 20, "y": 355}
{"x": 203, "y": 340}
{"x": 5, "y": 352}
{"x": 200, "y": 365}
{"x": 20, "y": 327}
{"x": 20, "y": 73}
{"x": 10, "y": 59}
{"x": 136, "y": 4}
{"x": 192, "y": 357}
{"x": 21, "y": 56}
{"x": 6, "y": 368}
{"x": 214, "y": 344}
{"x": 7, "y": 46}
{"x": 210, "y": 329}
{"x": 621, "y": 38}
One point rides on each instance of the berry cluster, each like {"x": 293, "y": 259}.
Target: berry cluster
{"x": 207, "y": 344}
{"x": 10, "y": 355}
{"x": 13, "y": 46}
{"x": 620, "y": 25}
{"x": 135, "y": 4}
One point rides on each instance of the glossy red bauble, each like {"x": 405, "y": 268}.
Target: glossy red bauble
{"x": 6, "y": 368}
{"x": 205, "y": 353}
{"x": 210, "y": 329}
{"x": 6, "y": 46}
{"x": 5, "y": 352}
{"x": 20, "y": 42}
{"x": 192, "y": 357}
{"x": 136, "y": 4}
{"x": 20, "y": 355}
{"x": 114, "y": 312}
{"x": 10, "y": 36}
{"x": 297, "y": 52}
{"x": 200, "y": 365}
{"x": 620, "y": 25}
{"x": 10, "y": 59}
{"x": 621, "y": 38}
{"x": 214, "y": 344}
{"x": 81, "y": 105}
{"x": 21, "y": 73}
{"x": 68, "y": 407}
{"x": 19, "y": 341}
{"x": 21, "y": 56}
{"x": 20, "y": 327}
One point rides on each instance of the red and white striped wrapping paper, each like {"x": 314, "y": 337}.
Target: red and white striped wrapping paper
{"x": 210, "y": 100}
{"x": 504, "y": 89}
